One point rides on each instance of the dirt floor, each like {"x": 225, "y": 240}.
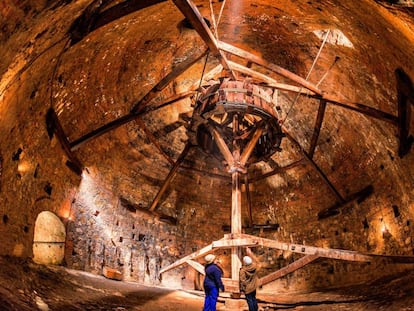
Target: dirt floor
{"x": 27, "y": 286}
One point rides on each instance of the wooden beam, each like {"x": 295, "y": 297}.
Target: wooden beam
{"x": 304, "y": 249}
{"x": 236, "y": 225}
{"x": 93, "y": 17}
{"x": 170, "y": 100}
{"x": 317, "y": 127}
{"x": 316, "y": 167}
{"x": 260, "y": 61}
{"x": 54, "y": 127}
{"x": 249, "y": 201}
{"x": 363, "y": 109}
{"x": 250, "y": 145}
{"x": 288, "y": 269}
{"x": 170, "y": 176}
{"x": 221, "y": 144}
{"x": 205, "y": 250}
{"x": 154, "y": 140}
{"x": 358, "y": 197}
{"x": 191, "y": 12}
{"x": 268, "y": 80}
{"x": 122, "y": 9}
{"x": 405, "y": 90}
{"x": 176, "y": 71}
{"x": 278, "y": 170}
{"x": 196, "y": 265}
{"x": 125, "y": 119}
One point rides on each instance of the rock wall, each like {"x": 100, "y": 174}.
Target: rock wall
{"x": 105, "y": 209}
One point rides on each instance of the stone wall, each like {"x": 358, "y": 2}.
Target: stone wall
{"x": 102, "y": 77}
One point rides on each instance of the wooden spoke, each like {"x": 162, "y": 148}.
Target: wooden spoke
{"x": 122, "y": 9}
{"x": 221, "y": 144}
{"x": 251, "y": 144}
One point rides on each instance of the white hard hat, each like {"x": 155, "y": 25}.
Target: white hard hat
{"x": 247, "y": 260}
{"x": 209, "y": 258}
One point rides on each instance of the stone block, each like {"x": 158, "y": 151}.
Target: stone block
{"x": 111, "y": 273}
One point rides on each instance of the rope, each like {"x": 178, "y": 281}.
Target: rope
{"x": 216, "y": 24}
{"x": 307, "y": 76}
{"x": 202, "y": 77}
{"x": 219, "y": 17}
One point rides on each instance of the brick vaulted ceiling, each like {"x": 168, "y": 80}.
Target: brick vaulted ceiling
{"x": 71, "y": 69}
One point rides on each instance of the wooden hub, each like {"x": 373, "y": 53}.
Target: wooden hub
{"x": 236, "y": 111}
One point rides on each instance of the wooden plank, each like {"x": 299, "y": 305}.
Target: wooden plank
{"x": 260, "y": 61}
{"x": 288, "y": 269}
{"x": 170, "y": 176}
{"x": 245, "y": 240}
{"x": 191, "y": 12}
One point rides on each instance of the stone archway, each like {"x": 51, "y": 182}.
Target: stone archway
{"x": 49, "y": 239}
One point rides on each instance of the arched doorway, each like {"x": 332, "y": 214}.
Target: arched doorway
{"x": 49, "y": 239}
